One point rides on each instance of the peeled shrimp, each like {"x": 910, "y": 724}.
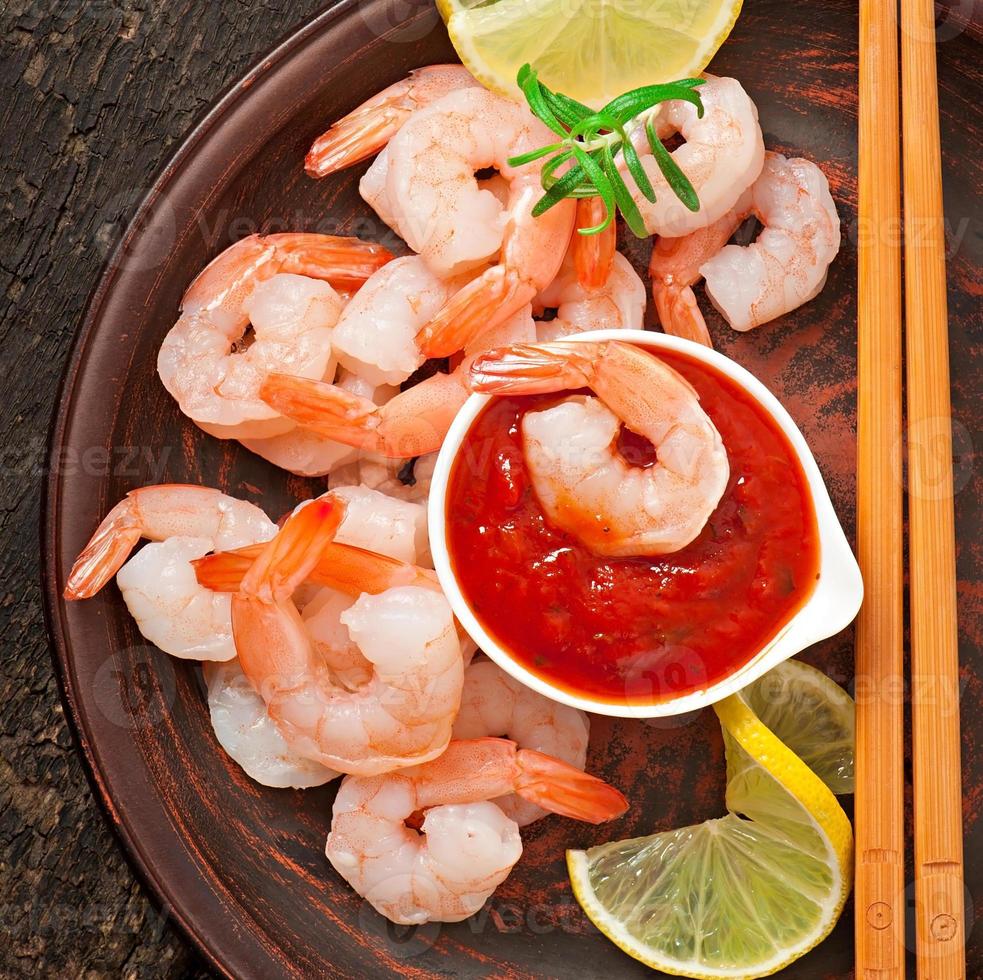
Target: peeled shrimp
{"x": 367, "y": 129}
{"x": 786, "y": 266}
{"x": 722, "y": 157}
{"x": 385, "y": 525}
{"x": 412, "y": 424}
{"x": 617, "y": 303}
{"x": 583, "y": 483}
{"x": 675, "y": 268}
{"x": 494, "y": 703}
{"x": 466, "y": 846}
{"x": 158, "y": 584}
{"x": 375, "y": 336}
{"x": 249, "y": 736}
{"x": 374, "y": 547}
{"x": 280, "y": 285}
{"x": 405, "y": 480}
{"x": 304, "y": 452}
{"x": 457, "y": 225}
{"x": 751, "y": 285}
{"x": 403, "y": 715}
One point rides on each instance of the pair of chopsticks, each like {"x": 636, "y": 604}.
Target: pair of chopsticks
{"x": 934, "y": 684}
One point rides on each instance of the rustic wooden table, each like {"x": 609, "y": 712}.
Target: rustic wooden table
{"x": 97, "y": 94}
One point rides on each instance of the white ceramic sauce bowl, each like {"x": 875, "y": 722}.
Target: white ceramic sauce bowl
{"x": 831, "y": 607}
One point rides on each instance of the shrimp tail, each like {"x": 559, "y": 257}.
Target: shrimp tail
{"x": 358, "y": 136}
{"x": 679, "y": 313}
{"x": 528, "y": 369}
{"x": 344, "y": 262}
{"x": 106, "y": 551}
{"x": 340, "y": 566}
{"x": 288, "y": 560}
{"x": 482, "y": 304}
{"x": 566, "y": 790}
{"x": 224, "y": 571}
{"x": 413, "y": 424}
{"x": 323, "y": 408}
{"x": 593, "y": 254}
{"x": 369, "y": 127}
{"x": 306, "y": 400}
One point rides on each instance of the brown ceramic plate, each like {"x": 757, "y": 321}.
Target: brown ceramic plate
{"x": 241, "y": 867}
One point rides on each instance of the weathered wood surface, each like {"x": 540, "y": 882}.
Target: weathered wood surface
{"x": 96, "y": 95}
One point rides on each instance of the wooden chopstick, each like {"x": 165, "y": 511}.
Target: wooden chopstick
{"x": 939, "y": 890}
{"x": 879, "y": 801}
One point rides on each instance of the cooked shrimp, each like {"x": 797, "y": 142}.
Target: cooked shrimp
{"x": 457, "y": 225}
{"x": 280, "y": 285}
{"x": 375, "y": 336}
{"x": 158, "y": 584}
{"x": 304, "y": 452}
{"x": 158, "y": 513}
{"x": 403, "y": 715}
{"x": 205, "y": 361}
{"x": 353, "y": 571}
{"x": 675, "y": 269}
{"x": 247, "y": 733}
{"x": 404, "y": 479}
{"x": 583, "y": 483}
{"x": 374, "y": 548}
{"x": 385, "y": 525}
{"x": 618, "y": 303}
{"x": 722, "y": 157}
{"x": 466, "y": 846}
{"x": 593, "y": 254}
{"x": 786, "y": 266}
{"x": 494, "y": 703}
{"x": 367, "y": 129}
{"x": 413, "y": 423}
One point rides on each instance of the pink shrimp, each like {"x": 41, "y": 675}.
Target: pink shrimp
{"x": 402, "y": 715}
{"x": 466, "y": 845}
{"x": 675, "y": 268}
{"x": 367, "y": 129}
{"x": 412, "y": 424}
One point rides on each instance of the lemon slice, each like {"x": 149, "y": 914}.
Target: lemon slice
{"x": 587, "y": 49}
{"x": 812, "y": 715}
{"x": 738, "y": 897}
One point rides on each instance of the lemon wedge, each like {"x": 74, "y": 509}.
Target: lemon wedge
{"x": 587, "y": 49}
{"x": 747, "y": 894}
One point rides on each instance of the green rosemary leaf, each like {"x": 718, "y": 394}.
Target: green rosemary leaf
{"x": 590, "y": 143}
{"x": 676, "y": 179}
{"x": 595, "y": 124}
{"x": 532, "y": 89}
{"x": 546, "y": 177}
{"x": 636, "y": 169}
{"x": 562, "y": 188}
{"x": 622, "y": 196}
{"x": 568, "y": 111}
{"x": 638, "y": 100}
{"x": 603, "y": 186}
{"x": 543, "y": 151}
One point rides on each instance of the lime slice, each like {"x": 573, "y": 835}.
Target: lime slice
{"x": 742, "y": 896}
{"x": 588, "y": 50}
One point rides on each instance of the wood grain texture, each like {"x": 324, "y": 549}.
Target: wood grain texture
{"x": 937, "y": 771}
{"x": 879, "y": 799}
{"x": 96, "y": 96}
{"x": 97, "y": 111}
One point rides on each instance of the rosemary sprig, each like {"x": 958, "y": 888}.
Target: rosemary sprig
{"x": 590, "y": 142}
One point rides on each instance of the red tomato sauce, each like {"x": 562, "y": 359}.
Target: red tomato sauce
{"x": 643, "y": 629}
